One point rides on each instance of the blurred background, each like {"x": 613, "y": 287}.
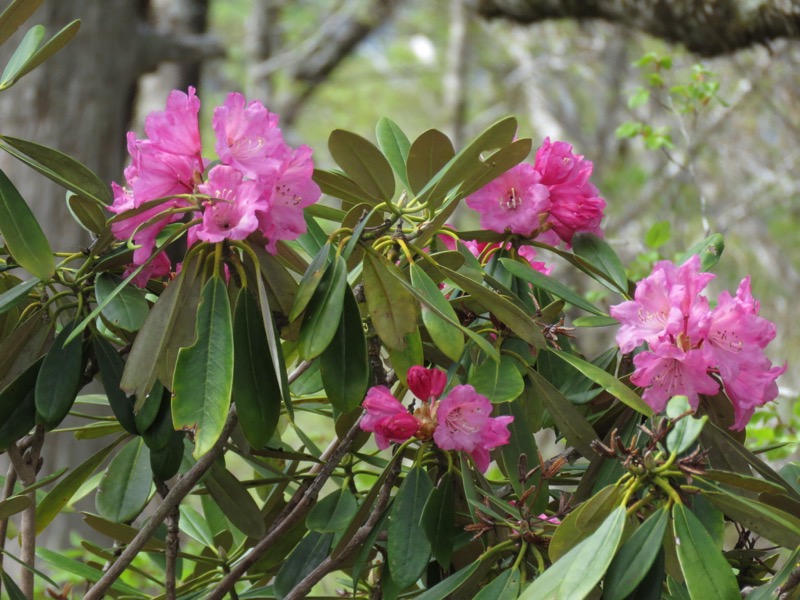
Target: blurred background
{"x": 684, "y": 143}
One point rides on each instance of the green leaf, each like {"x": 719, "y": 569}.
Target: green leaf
{"x": 438, "y": 520}
{"x": 111, "y": 365}
{"x": 768, "y": 591}
{"x": 521, "y": 442}
{"x": 25, "y": 50}
{"x": 256, "y": 388}
{"x": 87, "y": 213}
{"x": 583, "y": 521}
{"x": 395, "y": 146}
{"x": 333, "y": 513}
{"x": 407, "y": 544}
{"x": 392, "y": 308}
{"x": 204, "y": 374}
{"x": 59, "y": 379}
{"x": 16, "y": 294}
{"x": 14, "y": 593}
{"x": 310, "y": 281}
{"x": 119, "y": 531}
{"x": 53, "y": 45}
{"x": 445, "y": 336}
{"x": 160, "y": 431}
{"x": 23, "y": 237}
{"x": 503, "y": 587}
{"x": 607, "y": 381}
{"x": 165, "y": 462}
{"x": 686, "y": 431}
{"x": 634, "y": 558}
{"x": 342, "y": 187}
{"x": 599, "y": 254}
{"x": 706, "y": 572}
{"x": 125, "y": 487}
{"x": 309, "y": 553}
{"x": 659, "y": 234}
{"x": 127, "y": 310}
{"x": 13, "y": 505}
{"x": 492, "y": 166}
{"x": 709, "y": 250}
{"x": 549, "y": 284}
{"x": 60, "y": 168}
{"x": 18, "y": 407}
{"x": 58, "y": 497}
{"x": 577, "y": 573}
{"x": 235, "y": 501}
{"x": 146, "y": 414}
{"x": 324, "y": 311}
{"x": 447, "y": 587}
{"x": 344, "y": 364}
{"x": 498, "y": 381}
{"x": 15, "y": 14}
{"x": 63, "y": 564}
{"x": 429, "y": 153}
{"x": 363, "y": 162}
{"x": 594, "y": 321}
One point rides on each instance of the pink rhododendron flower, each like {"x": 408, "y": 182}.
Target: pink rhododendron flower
{"x": 688, "y": 342}
{"x": 176, "y": 129}
{"x": 387, "y": 418}
{"x": 426, "y": 384}
{"x": 231, "y": 213}
{"x": 512, "y": 202}
{"x": 464, "y": 422}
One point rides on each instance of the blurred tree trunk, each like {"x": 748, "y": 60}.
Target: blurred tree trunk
{"x": 705, "y": 27}
{"x": 455, "y": 79}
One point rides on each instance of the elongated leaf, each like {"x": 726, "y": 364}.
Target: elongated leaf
{"x": 363, "y": 162}
{"x": 445, "y": 336}
{"x": 705, "y": 570}
{"x": 687, "y": 430}
{"x": 583, "y": 521}
{"x": 53, "y": 45}
{"x": 15, "y": 15}
{"x": 633, "y": 560}
{"x": 25, "y": 50}
{"x": 256, "y": 388}
{"x": 324, "y": 311}
{"x": 125, "y": 487}
{"x": 521, "y": 442}
{"x": 16, "y": 294}
{"x": 709, "y": 250}
{"x": 549, "y": 284}
{"x": 333, "y": 512}
{"x": 438, "y": 520}
{"x": 22, "y": 234}
{"x": 235, "y": 501}
{"x": 504, "y": 587}
{"x": 395, "y": 146}
{"x": 160, "y": 431}
{"x": 599, "y": 254}
{"x": 492, "y": 166}
{"x": 580, "y": 570}
{"x": 63, "y": 564}
{"x": 111, "y": 365}
{"x": 429, "y": 153}
{"x": 59, "y": 379}
{"x": 342, "y": 187}
{"x": 737, "y": 480}
{"x": 309, "y": 553}
{"x": 344, "y": 365}
{"x": 119, "y": 531}
{"x": 128, "y": 309}
{"x": 13, "y": 505}
{"x": 392, "y": 308}
{"x": 59, "y": 167}
{"x": 594, "y": 321}
{"x": 407, "y": 545}
{"x": 608, "y": 382}
{"x": 14, "y": 593}
{"x": 57, "y": 498}
{"x": 498, "y": 381}
{"x": 310, "y": 281}
{"x": 204, "y": 373}
{"x": 87, "y": 213}
{"x": 447, "y": 587}
{"x": 768, "y": 591}
{"x": 18, "y": 407}
{"x": 280, "y": 284}
{"x": 275, "y": 347}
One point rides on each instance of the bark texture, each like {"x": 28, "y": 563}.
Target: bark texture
{"x": 705, "y": 27}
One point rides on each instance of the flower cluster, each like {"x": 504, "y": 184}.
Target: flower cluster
{"x": 258, "y": 184}
{"x": 691, "y": 346}
{"x": 459, "y": 421}
{"x": 550, "y": 200}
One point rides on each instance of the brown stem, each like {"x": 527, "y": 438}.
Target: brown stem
{"x": 172, "y": 543}
{"x": 178, "y": 492}
{"x": 303, "y": 499}
{"x": 8, "y": 490}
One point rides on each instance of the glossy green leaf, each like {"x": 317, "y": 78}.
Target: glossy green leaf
{"x": 448, "y": 586}
{"x": 58, "y": 497}
{"x": 166, "y": 461}
{"x": 62, "y": 564}
{"x": 607, "y": 381}
{"x": 235, "y": 501}
{"x": 549, "y": 284}
{"x": 160, "y": 431}
{"x": 13, "y": 505}
{"x": 706, "y": 572}
{"x": 363, "y": 162}
{"x": 15, "y": 14}
{"x": 111, "y": 366}
{"x": 310, "y": 281}
{"x": 686, "y": 431}
{"x": 341, "y": 186}
{"x": 392, "y": 308}
{"x": 571, "y": 423}
{"x": 324, "y": 311}
{"x": 333, "y": 513}
{"x": 22, "y": 234}
{"x": 306, "y": 556}
{"x": 60, "y": 168}
{"x": 498, "y": 381}
{"x": 597, "y": 252}
{"x": 445, "y": 336}
{"x": 87, "y": 213}
{"x": 438, "y": 520}
{"x": 493, "y": 165}
{"x": 344, "y": 365}
{"x": 281, "y": 285}
{"x": 18, "y": 407}
{"x": 16, "y": 294}
{"x": 124, "y": 489}
{"x": 429, "y": 153}
{"x": 59, "y": 379}
{"x": 710, "y": 250}
{"x": 503, "y": 587}
{"x": 634, "y": 558}
{"x": 577, "y": 573}
{"x": 256, "y": 388}
{"x": 275, "y": 347}
{"x": 594, "y": 321}
{"x": 25, "y": 50}
{"x": 14, "y": 593}
{"x": 119, "y": 531}
{"x": 768, "y": 591}
{"x": 51, "y": 47}
{"x": 204, "y": 373}
{"x": 791, "y": 473}
{"x": 407, "y": 544}
{"x": 182, "y": 332}
{"x": 395, "y": 146}
{"x": 583, "y": 521}
{"x": 128, "y": 309}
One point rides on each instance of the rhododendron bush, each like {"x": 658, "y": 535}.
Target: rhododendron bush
{"x": 316, "y": 383}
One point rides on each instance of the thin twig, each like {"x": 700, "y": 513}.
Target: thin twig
{"x": 172, "y": 543}
{"x": 8, "y": 490}
{"x": 178, "y": 492}
{"x": 301, "y": 501}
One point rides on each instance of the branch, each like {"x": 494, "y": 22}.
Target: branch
{"x": 172, "y": 543}
{"x": 8, "y": 491}
{"x": 707, "y": 28}
{"x": 178, "y": 492}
